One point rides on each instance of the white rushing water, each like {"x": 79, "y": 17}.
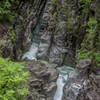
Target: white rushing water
{"x": 61, "y": 81}
{"x": 32, "y": 54}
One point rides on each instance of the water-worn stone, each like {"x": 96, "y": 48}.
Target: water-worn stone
{"x": 74, "y": 82}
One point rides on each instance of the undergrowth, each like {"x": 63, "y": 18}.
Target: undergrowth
{"x": 12, "y": 80}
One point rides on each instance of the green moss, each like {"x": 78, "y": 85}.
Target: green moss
{"x": 43, "y": 63}
{"x": 86, "y": 4}
{"x": 1, "y": 51}
{"x": 87, "y": 46}
{"x": 12, "y": 35}
{"x": 84, "y": 54}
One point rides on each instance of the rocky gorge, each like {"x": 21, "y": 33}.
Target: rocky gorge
{"x": 69, "y": 32}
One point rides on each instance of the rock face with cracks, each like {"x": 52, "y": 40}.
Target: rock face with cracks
{"x": 53, "y": 47}
{"x": 62, "y": 32}
{"x": 75, "y": 81}
{"x": 42, "y": 83}
{"x": 26, "y": 19}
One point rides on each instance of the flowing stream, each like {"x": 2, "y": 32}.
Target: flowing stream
{"x": 32, "y": 54}
{"x": 61, "y": 81}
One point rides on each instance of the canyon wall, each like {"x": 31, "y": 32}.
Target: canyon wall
{"x": 69, "y": 26}
{"x": 25, "y": 21}
{"x": 43, "y": 76}
{"x": 57, "y": 45}
{"x": 42, "y": 83}
{"x": 66, "y": 25}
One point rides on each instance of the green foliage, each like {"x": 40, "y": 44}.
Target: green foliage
{"x": 4, "y": 8}
{"x": 38, "y": 72}
{"x": 85, "y": 5}
{"x": 91, "y": 86}
{"x": 28, "y": 12}
{"x": 66, "y": 11}
{"x": 43, "y": 63}
{"x": 91, "y": 43}
{"x": 6, "y": 12}
{"x": 10, "y": 28}
{"x": 97, "y": 56}
{"x": 55, "y": 14}
{"x": 12, "y": 80}
{"x": 92, "y": 23}
{"x": 12, "y": 35}
{"x": 84, "y": 54}
{"x": 54, "y": 2}
{"x": 87, "y": 45}
{"x": 91, "y": 31}
{"x": 1, "y": 51}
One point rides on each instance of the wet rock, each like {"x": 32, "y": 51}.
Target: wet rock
{"x": 92, "y": 95}
{"x": 97, "y": 80}
{"x": 44, "y": 45}
{"x": 24, "y": 40}
{"x": 55, "y": 50}
{"x": 25, "y": 21}
{"x": 42, "y": 83}
{"x": 69, "y": 59}
{"x": 49, "y": 98}
{"x": 49, "y": 92}
{"x": 27, "y": 38}
{"x": 74, "y": 83}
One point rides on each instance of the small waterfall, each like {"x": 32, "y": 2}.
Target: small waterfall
{"x": 32, "y": 53}
{"x": 61, "y": 81}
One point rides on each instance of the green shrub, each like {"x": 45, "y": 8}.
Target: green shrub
{"x": 12, "y": 80}
{"x": 86, "y": 4}
{"x": 84, "y": 54}
{"x": 97, "y": 56}
{"x": 6, "y": 12}
{"x": 87, "y": 49}
{"x": 12, "y": 35}
{"x": 43, "y": 63}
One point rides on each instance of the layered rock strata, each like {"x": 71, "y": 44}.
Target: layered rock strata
{"x": 22, "y": 27}
{"x": 63, "y": 30}
{"x": 42, "y": 83}
{"x": 56, "y": 46}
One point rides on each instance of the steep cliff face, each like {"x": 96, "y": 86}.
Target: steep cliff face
{"x": 18, "y": 35}
{"x": 42, "y": 80}
{"x": 56, "y": 44}
{"x": 42, "y": 83}
{"x": 82, "y": 84}
{"x": 69, "y": 26}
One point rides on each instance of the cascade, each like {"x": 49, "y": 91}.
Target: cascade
{"x": 32, "y": 54}
{"x": 61, "y": 81}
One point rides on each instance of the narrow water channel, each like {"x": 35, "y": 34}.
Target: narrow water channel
{"x": 61, "y": 81}
{"x": 32, "y": 54}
